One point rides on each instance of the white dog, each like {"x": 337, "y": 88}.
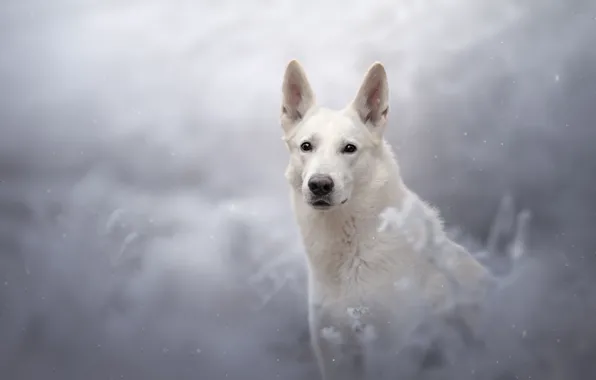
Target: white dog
{"x": 371, "y": 243}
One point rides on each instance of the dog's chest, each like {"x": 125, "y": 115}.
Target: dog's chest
{"x": 354, "y": 255}
{"x": 354, "y": 263}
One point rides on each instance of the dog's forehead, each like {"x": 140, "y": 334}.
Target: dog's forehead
{"x": 328, "y": 124}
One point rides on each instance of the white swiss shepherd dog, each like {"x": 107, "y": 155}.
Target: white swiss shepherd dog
{"x": 377, "y": 254}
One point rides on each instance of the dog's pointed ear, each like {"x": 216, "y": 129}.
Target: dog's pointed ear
{"x": 372, "y": 101}
{"x": 298, "y": 96}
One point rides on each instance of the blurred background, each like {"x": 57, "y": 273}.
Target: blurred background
{"x": 145, "y": 227}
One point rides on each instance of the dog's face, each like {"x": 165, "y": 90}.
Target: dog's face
{"x": 331, "y": 151}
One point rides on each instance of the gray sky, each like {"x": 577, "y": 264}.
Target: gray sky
{"x": 145, "y": 229}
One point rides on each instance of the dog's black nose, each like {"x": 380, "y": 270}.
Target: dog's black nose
{"x": 320, "y": 184}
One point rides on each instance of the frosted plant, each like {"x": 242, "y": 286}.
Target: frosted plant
{"x": 332, "y": 335}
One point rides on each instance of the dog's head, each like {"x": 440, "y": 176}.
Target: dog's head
{"x": 332, "y": 152}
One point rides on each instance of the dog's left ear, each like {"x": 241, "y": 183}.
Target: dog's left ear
{"x": 372, "y": 102}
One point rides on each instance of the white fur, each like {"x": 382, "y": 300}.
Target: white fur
{"x": 377, "y": 255}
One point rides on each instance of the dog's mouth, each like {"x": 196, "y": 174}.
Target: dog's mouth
{"x": 320, "y": 204}
{"x": 323, "y": 204}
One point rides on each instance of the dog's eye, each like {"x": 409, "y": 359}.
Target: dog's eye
{"x": 306, "y": 146}
{"x": 349, "y": 148}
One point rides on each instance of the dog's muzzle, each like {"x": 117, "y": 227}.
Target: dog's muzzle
{"x": 321, "y": 188}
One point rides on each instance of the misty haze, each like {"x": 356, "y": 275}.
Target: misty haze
{"x": 145, "y": 224}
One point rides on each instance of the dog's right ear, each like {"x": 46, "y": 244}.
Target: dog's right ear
{"x": 298, "y": 96}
